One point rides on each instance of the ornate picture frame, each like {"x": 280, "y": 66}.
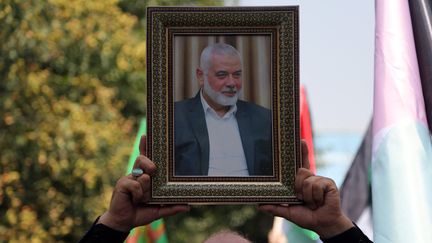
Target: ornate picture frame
{"x": 267, "y": 39}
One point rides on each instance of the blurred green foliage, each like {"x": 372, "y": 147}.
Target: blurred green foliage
{"x": 138, "y": 7}
{"x": 72, "y": 76}
{"x": 72, "y": 88}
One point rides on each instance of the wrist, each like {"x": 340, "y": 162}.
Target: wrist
{"x": 342, "y": 224}
{"x": 111, "y": 221}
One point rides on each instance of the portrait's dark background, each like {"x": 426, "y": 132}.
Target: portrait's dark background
{"x": 72, "y": 93}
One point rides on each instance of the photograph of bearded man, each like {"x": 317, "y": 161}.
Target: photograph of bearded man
{"x": 216, "y": 133}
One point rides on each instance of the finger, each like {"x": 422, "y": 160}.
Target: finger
{"x": 276, "y": 210}
{"x": 131, "y": 188}
{"x": 318, "y": 192}
{"x": 171, "y": 210}
{"x": 145, "y": 164}
{"x": 293, "y": 213}
{"x": 151, "y": 213}
{"x": 308, "y": 185}
{"x": 301, "y": 176}
{"x": 329, "y": 190}
{"x": 305, "y": 154}
{"x": 143, "y": 145}
{"x": 144, "y": 181}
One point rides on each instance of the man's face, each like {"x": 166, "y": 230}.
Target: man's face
{"x": 223, "y": 81}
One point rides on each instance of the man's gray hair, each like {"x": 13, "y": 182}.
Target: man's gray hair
{"x": 217, "y": 48}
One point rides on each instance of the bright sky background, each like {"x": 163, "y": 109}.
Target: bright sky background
{"x": 336, "y": 60}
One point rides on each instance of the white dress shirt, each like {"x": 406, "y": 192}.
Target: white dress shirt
{"x": 226, "y": 155}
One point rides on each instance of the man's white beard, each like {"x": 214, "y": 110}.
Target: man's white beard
{"x": 218, "y": 97}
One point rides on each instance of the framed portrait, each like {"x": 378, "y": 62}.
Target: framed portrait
{"x": 223, "y": 104}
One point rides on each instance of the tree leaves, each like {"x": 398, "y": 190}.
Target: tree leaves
{"x": 64, "y": 132}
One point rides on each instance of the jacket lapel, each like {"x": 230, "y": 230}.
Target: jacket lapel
{"x": 199, "y": 127}
{"x": 244, "y": 123}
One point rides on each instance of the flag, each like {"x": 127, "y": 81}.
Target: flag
{"x": 154, "y": 232}
{"x": 281, "y": 227}
{"x": 401, "y": 148}
{"x": 421, "y": 16}
{"x": 355, "y": 189}
{"x": 355, "y": 192}
{"x": 306, "y": 131}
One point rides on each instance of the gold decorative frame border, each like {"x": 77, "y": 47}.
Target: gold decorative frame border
{"x": 282, "y": 24}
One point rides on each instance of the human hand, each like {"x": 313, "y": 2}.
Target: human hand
{"x": 321, "y": 211}
{"x": 128, "y": 207}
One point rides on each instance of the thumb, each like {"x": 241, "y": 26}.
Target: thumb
{"x": 305, "y": 154}
{"x": 148, "y": 214}
{"x": 283, "y": 211}
{"x": 143, "y": 145}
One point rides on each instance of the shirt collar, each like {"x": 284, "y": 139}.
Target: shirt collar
{"x": 232, "y": 111}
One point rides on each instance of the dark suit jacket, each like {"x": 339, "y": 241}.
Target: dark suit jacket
{"x": 192, "y": 142}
